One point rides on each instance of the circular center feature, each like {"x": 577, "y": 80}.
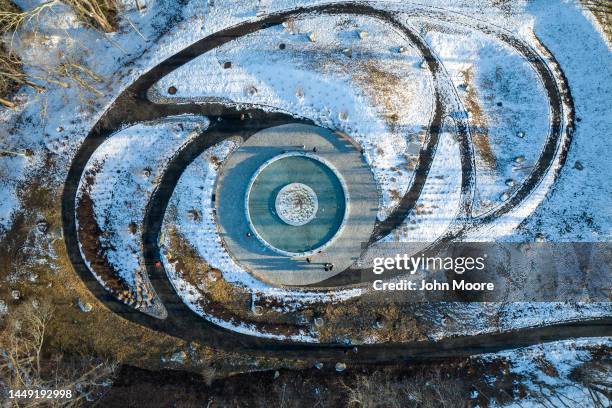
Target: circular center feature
{"x": 296, "y": 204}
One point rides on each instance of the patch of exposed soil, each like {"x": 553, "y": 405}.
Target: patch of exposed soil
{"x": 478, "y": 123}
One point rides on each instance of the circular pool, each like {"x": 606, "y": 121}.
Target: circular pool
{"x": 296, "y": 203}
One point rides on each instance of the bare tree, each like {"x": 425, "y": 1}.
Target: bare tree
{"x": 423, "y": 390}
{"x": 24, "y": 365}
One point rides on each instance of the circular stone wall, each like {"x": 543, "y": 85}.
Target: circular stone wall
{"x": 289, "y": 215}
{"x": 329, "y": 203}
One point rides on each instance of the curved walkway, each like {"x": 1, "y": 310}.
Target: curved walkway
{"x": 133, "y": 106}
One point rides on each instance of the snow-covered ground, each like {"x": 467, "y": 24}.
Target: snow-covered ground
{"x": 558, "y": 373}
{"x": 126, "y": 169}
{"x": 343, "y": 72}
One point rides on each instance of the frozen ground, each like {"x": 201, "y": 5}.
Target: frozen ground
{"x": 564, "y": 373}
{"x": 333, "y": 73}
{"x": 126, "y": 169}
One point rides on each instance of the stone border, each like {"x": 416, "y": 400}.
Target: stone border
{"x": 320, "y": 160}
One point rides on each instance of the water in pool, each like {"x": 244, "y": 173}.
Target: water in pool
{"x": 330, "y": 199}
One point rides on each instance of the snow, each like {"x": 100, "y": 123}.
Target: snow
{"x": 10, "y": 167}
{"x": 127, "y": 169}
{"x": 556, "y": 385}
{"x": 578, "y": 208}
{"x": 317, "y": 80}
{"x": 501, "y": 77}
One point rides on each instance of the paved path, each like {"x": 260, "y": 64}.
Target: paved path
{"x": 344, "y": 248}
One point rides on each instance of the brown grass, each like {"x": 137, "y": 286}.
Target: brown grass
{"x": 12, "y": 17}
{"x": 424, "y": 390}
{"x": 381, "y": 86}
{"x": 99, "y": 14}
{"x": 602, "y": 10}
{"x": 84, "y": 77}
{"x": 11, "y": 74}
{"x": 479, "y": 123}
{"x": 27, "y": 364}
{"x": 355, "y": 320}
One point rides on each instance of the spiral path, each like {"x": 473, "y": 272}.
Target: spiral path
{"x": 136, "y": 105}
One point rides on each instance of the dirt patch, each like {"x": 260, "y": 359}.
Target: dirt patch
{"x": 465, "y": 382}
{"x": 11, "y": 73}
{"x": 478, "y": 122}
{"x": 382, "y": 87}
{"x": 220, "y": 298}
{"x": 358, "y": 321}
{"x": 11, "y": 76}
{"x": 602, "y": 10}
{"x": 89, "y": 236}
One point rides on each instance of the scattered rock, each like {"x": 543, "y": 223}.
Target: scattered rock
{"x": 178, "y": 357}
{"x": 57, "y": 233}
{"x": 363, "y": 34}
{"x": 348, "y": 52}
{"x": 146, "y": 172}
{"x": 318, "y": 322}
{"x": 193, "y": 215}
{"x": 519, "y": 159}
{"x": 539, "y": 237}
{"x": 276, "y": 374}
{"x": 227, "y": 65}
{"x": 15, "y": 294}
{"x": 510, "y": 182}
{"x": 318, "y": 365}
{"x": 172, "y": 90}
{"x": 3, "y": 308}
{"x": 132, "y": 228}
{"x": 312, "y": 37}
{"x": 520, "y": 134}
{"x": 84, "y": 306}
{"x": 402, "y": 49}
{"x": 413, "y": 149}
{"x": 578, "y": 165}
{"x": 504, "y": 196}
{"x": 215, "y": 273}
{"x": 42, "y": 226}
{"x": 257, "y": 310}
{"x": 340, "y": 367}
